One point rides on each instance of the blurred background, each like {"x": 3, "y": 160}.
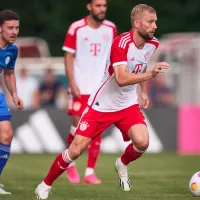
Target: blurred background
{"x": 174, "y": 113}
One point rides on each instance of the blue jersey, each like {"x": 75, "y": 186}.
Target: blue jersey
{"x": 8, "y": 57}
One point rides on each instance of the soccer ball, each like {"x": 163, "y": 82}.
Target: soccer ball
{"x": 194, "y": 184}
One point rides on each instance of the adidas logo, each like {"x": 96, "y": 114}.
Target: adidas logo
{"x": 44, "y": 138}
{"x": 63, "y": 168}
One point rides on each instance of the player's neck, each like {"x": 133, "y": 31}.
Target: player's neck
{"x": 92, "y": 22}
{"x": 3, "y": 44}
{"x": 138, "y": 40}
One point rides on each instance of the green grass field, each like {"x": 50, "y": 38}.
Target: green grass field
{"x": 154, "y": 177}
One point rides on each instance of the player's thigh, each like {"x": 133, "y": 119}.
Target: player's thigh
{"x": 6, "y": 132}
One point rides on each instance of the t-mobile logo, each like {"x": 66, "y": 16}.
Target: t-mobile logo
{"x": 95, "y": 48}
{"x": 137, "y": 68}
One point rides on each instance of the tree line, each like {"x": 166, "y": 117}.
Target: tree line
{"x": 50, "y": 19}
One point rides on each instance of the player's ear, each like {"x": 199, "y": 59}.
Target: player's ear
{"x": 136, "y": 23}
{"x": 0, "y": 29}
{"x": 89, "y": 7}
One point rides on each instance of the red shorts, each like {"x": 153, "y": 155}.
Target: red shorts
{"x": 76, "y": 106}
{"x": 93, "y": 122}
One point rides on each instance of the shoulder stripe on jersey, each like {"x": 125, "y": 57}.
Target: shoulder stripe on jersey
{"x": 123, "y": 40}
{"x": 100, "y": 88}
{"x": 125, "y": 43}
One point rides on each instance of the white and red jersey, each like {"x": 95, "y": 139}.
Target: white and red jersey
{"x": 91, "y": 48}
{"x": 109, "y": 97}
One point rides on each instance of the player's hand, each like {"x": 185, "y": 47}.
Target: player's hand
{"x": 75, "y": 90}
{"x": 158, "y": 68}
{"x": 145, "y": 100}
{"x": 18, "y": 102}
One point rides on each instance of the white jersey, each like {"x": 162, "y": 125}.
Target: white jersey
{"x": 109, "y": 97}
{"x": 91, "y": 48}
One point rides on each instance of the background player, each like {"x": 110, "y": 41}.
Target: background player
{"x": 9, "y": 29}
{"x": 115, "y": 101}
{"x": 87, "y": 45}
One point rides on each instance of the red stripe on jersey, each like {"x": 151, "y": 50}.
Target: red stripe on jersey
{"x": 70, "y": 38}
{"x": 111, "y": 25}
{"x": 100, "y": 89}
{"x": 120, "y": 48}
{"x": 123, "y": 40}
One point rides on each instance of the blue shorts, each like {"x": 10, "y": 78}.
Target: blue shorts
{"x": 5, "y": 114}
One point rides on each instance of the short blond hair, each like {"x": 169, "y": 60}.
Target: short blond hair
{"x": 138, "y": 10}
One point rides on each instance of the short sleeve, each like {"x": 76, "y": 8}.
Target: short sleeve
{"x": 118, "y": 55}
{"x": 70, "y": 40}
{"x": 11, "y": 64}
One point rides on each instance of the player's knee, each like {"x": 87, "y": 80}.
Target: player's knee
{"x": 6, "y": 137}
{"x": 142, "y": 145}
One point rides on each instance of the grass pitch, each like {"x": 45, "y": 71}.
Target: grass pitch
{"x": 154, "y": 177}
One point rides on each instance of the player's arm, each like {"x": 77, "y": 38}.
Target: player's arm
{"x": 69, "y": 70}
{"x": 123, "y": 77}
{"x": 10, "y": 81}
{"x": 143, "y": 85}
{"x": 118, "y": 57}
{"x": 144, "y": 93}
{"x": 69, "y": 66}
{"x": 69, "y": 47}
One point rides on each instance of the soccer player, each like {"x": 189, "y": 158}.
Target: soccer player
{"x": 86, "y": 47}
{"x": 9, "y": 29}
{"x": 115, "y": 101}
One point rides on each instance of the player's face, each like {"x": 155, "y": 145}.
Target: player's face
{"x": 147, "y": 25}
{"x": 9, "y": 31}
{"x": 98, "y": 9}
